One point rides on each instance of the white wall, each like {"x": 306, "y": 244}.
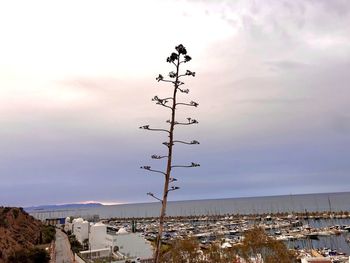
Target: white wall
{"x": 111, "y": 241}
{"x": 97, "y": 237}
{"x": 106, "y": 252}
{"x": 130, "y": 244}
{"x": 134, "y": 245}
{"x": 80, "y": 229}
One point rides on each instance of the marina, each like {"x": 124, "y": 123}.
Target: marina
{"x": 313, "y": 225}
{"x": 326, "y": 235}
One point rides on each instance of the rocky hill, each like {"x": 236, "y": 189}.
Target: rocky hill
{"x": 18, "y": 232}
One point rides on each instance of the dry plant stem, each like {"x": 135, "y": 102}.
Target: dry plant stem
{"x": 168, "y": 169}
{"x": 175, "y": 59}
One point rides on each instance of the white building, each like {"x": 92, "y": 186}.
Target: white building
{"x": 97, "y": 237}
{"x": 131, "y": 245}
{"x": 68, "y": 226}
{"x": 81, "y": 229}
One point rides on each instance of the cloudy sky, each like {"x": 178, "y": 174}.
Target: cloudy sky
{"x": 77, "y": 78}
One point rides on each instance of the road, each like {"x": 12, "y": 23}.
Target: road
{"x": 62, "y": 248}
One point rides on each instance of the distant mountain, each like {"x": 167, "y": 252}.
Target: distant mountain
{"x": 61, "y": 207}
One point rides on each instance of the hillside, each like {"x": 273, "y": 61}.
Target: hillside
{"x": 18, "y": 232}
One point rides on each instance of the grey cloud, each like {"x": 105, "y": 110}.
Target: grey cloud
{"x": 95, "y": 84}
{"x": 286, "y": 128}
{"x": 288, "y": 22}
{"x": 286, "y": 64}
{"x": 341, "y": 124}
{"x": 284, "y": 101}
{"x": 103, "y": 87}
{"x": 339, "y": 7}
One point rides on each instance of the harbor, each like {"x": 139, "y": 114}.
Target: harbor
{"x": 326, "y": 235}
{"x": 313, "y": 225}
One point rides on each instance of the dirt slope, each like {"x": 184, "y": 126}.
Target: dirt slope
{"x": 18, "y": 230}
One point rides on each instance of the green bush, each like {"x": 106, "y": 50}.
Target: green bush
{"x": 6, "y": 209}
{"x": 75, "y": 244}
{"x": 3, "y": 222}
{"x": 39, "y": 255}
{"x": 34, "y": 255}
{"x": 47, "y": 234}
{"x": 15, "y": 213}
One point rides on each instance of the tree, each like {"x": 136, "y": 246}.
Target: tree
{"x": 257, "y": 242}
{"x": 86, "y": 244}
{"x": 183, "y": 251}
{"x": 189, "y": 251}
{"x": 217, "y": 254}
{"x": 175, "y": 59}
{"x": 256, "y": 245}
{"x": 75, "y": 244}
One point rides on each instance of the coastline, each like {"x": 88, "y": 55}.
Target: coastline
{"x": 324, "y": 202}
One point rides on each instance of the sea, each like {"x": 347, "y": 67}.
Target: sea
{"x": 320, "y": 202}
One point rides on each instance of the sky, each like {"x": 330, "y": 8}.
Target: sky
{"x": 77, "y": 78}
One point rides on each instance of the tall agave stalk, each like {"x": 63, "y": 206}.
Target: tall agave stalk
{"x": 176, "y": 59}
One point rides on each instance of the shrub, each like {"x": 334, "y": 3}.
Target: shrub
{"x": 15, "y": 213}
{"x": 257, "y": 242}
{"x": 48, "y": 234}
{"x": 34, "y": 255}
